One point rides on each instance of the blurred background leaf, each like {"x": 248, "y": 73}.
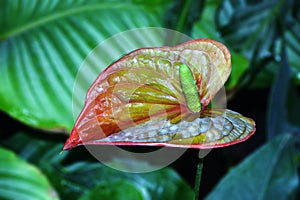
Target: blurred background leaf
{"x": 292, "y": 36}
{"x": 21, "y": 180}
{"x": 268, "y": 173}
{"x": 108, "y": 190}
{"x": 42, "y": 45}
{"x": 251, "y": 27}
{"x": 183, "y": 14}
{"x": 86, "y": 175}
{"x": 283, "y": 110}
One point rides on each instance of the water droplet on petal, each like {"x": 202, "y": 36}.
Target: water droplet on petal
{"x": 99, "y": 89}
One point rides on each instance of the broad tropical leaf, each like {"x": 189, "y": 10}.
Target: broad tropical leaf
{"x": 145, "y": 98}
{"x": 43, "y": 43}
{"x": 269, "y": 173}
{"x": 125, "y": 190}
{"x": 74, "y": 179}
{"x": 20, "y": 180}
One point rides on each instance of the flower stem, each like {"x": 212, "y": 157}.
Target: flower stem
{"x": 198, "y": 178}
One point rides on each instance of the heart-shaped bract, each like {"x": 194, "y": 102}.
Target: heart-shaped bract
{"x": 159, "y": 97}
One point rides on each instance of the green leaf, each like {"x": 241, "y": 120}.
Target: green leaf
{"x": 283, "y": 109}
{"x": 268, "y": 173}
{"x": 20, "y": 180}
{"x": 205, "y": 27}
{"x": 74, "y": 179}
{"x": 240, "y": 65}
{"x": 182, "y": 14}
{"x": 254, "y": 28}
{"x": 161, "y": 184}
{"x": 293, "y": 49}
{"x": 42, "y": 45}
{"x": 115, "y": 190}
{"x": 270, "y": 69}
{"x": 245, "y": 24}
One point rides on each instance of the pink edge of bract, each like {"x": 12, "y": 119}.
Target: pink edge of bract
{"x": 73, "y": 140}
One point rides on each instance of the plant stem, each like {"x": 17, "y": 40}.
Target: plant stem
{"x": 198, "y": 178}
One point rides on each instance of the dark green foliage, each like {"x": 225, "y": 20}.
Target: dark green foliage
{"x": 269, "y": 173}
{"x": 83, "y": 176}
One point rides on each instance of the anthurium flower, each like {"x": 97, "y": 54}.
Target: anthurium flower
{"x": 161, "y": 97}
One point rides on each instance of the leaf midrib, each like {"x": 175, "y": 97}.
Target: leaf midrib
{"x": 55, "y": 16}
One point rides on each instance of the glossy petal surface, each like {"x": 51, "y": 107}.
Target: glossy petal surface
{"x": 138, "y": 100}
